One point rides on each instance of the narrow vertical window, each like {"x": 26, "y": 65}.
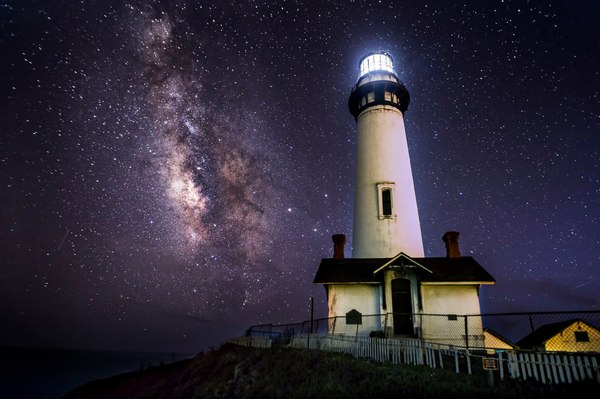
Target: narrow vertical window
{"x": 385, "y": 192}
{"x": 386, "y": 202}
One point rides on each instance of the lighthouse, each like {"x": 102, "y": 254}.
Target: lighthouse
{"x": 386, "y": 218}
{"x": 388, "y": 287}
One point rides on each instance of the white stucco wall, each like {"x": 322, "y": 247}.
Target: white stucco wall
{"x": 439, "y": 301}
{"x": 441, "y": 320}
{"x": 382, "y": 157}
{"x": 456, "y": 299}
{"x": 364, "y": 298}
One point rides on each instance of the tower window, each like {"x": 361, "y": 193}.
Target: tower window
{"x": 385, "y": 192}
{"x": 386, "y": 199}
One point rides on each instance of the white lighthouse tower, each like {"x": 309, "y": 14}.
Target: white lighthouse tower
{"x": 388, "y": 286}
{"x": 386, "y": 219}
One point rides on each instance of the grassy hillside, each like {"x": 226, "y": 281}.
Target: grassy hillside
{"x": 238, "y": 372}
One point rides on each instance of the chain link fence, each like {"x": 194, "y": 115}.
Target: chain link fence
{"x": 573, "y": 331}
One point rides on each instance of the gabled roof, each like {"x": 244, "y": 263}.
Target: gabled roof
{"x": 462, "y": 269}
{"x": 545, "y": 332}
{"x": 499, "y": 337}
{"x": 401, "y": 259}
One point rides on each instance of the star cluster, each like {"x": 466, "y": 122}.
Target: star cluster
{"x": 172, "y": 171}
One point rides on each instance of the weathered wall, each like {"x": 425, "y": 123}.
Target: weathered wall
{"x": 364, "y": 298}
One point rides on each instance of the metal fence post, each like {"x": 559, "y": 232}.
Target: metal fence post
{"x": 467, "y": 332}
{"x": 531, "y": 323}
{"x": 312, "y": 306}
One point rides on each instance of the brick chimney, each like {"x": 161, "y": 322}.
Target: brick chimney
{"x": 451, "y": 240}
{"x": 339, "y": 241}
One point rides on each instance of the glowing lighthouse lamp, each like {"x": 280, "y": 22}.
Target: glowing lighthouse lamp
{"x": 386, "y": 219}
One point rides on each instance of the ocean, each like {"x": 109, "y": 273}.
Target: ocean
{"x": 27, "y": 373}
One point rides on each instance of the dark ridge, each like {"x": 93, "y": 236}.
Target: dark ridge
{"x": 239, "y": 372}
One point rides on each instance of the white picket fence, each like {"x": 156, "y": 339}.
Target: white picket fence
{"x": 548, "y": 368}
{"x": 399, "y": 351}
{"x": 552, "y": 368}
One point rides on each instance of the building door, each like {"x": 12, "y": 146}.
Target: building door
{"x": 402, "y": 307}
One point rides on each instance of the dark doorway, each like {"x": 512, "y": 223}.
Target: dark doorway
{"x": 402, "y": 307}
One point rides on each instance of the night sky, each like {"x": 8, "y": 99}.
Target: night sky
{"x": 172, "y": 171}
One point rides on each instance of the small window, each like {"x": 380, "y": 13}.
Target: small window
{"x": 452, "y": 317}
{"x": 370, "y": 97}
{"x": 582, "y": 336}
{"x": 387, "y": 96}
{"x": 386, "y": 199}
{"x": 385, "y": 191}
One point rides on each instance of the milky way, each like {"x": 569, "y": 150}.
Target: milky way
{"x": 173, "y": 171}
{"x": 212, "y": 168}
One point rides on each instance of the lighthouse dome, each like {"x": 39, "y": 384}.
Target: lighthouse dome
{"x": 376, "y": 61}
